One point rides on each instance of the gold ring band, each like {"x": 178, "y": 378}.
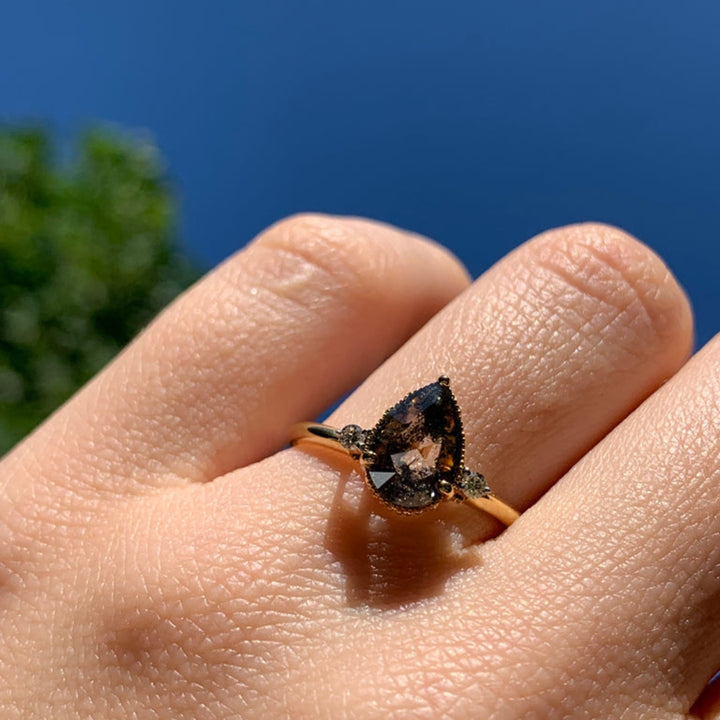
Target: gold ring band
{"x": 413, "y": 458}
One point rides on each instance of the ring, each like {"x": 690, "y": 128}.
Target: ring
{"x": 413, "y": 458}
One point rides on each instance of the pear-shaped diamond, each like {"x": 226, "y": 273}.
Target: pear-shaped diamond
{"x": 416, "y": 446}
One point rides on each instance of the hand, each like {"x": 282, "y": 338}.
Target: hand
{"x": 162, "y": 557}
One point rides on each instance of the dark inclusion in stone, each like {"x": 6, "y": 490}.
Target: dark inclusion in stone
{"x": 416, "y": 446}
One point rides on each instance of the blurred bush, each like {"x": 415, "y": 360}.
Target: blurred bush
{"x": 88, "y": 254}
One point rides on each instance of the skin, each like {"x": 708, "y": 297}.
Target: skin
{"x": 161, "y": 555}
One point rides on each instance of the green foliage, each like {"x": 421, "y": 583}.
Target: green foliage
{"x": 88, "y": 254}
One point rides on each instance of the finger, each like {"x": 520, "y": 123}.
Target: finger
{"x": 547, "y": 352}
{"x": 280, "y": 330}
{"x": 628, "y": 542}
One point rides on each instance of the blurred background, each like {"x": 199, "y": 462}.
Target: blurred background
{"x": 144, "y": 141}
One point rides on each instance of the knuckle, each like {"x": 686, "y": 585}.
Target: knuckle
{"x": 343, "y": 256}
{"x": 611, "y": 275}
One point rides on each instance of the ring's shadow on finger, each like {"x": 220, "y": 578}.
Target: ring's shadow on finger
{"x": 390, "y": 560}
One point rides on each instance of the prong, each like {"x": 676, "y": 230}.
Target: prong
{"x": 446, "y": 489}
{"x": 444, "y": 380}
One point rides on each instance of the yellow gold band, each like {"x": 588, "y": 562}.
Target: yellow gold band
{"x": 330, "y": 437}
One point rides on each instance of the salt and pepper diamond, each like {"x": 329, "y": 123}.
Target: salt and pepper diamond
{"x": 413, "y": 457}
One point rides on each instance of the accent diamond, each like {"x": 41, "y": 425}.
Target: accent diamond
{"x": 473, "y": 484}
{"x": 352, "y": 437}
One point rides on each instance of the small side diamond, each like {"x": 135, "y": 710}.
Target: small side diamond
{"x": 473, "y": 484}
{"x": 352, "y": 437}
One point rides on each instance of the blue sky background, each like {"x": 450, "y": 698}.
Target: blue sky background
{"x": 477, "y": 123}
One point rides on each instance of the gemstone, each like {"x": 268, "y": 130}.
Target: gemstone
{"x": 352, "y": 437}
{"x": 473, "y": 484}
{"x": 416, "y": 446}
